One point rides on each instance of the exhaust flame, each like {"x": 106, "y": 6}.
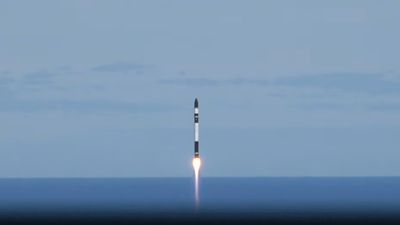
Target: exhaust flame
{"x": 196, "y": 167}
{"x": 196, "y": 164}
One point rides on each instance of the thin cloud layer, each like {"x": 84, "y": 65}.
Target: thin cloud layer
{"x": 121, "y": 68}
{"x": 6, "y": 81}
{"x": 92, "y": 106}
{"x": 346, "y": 82}
{"x": 38, "y": 78}
{"x": 201, "y": 82}
{"x": 385, "y": 106}
{"x": 363, "y": 83}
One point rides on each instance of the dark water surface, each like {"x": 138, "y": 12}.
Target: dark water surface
{"x": 135, "y": 197}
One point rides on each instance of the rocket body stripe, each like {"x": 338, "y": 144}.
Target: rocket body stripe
{"x": 196, "y": 128}
{"x": 196, "y": 132}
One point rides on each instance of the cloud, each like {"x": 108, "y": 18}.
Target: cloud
{"x": 38, "y": 78}
{"x": 6, "y": 80}
{"x": 324, "y": 106}
{"x": 122, "y": 68}
{"x": 201, "y": 82}
{"x": 346, "y": 82}
{"x": 393, "y": 106}
{"x": 92, "y": 106}
{"x": 5, "y": 72}
{"x": 6, "y": 86}
{"x": 334, "y": 105}
{"x": 363, "y": 83}
{"x": 323, "y": 92}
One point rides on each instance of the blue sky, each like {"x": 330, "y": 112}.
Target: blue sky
{"x": 286, "y": 88}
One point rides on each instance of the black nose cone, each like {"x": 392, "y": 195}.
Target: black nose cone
{"x": 196, "y": 103}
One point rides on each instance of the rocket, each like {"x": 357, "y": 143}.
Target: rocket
{"x": 196, "y": 129}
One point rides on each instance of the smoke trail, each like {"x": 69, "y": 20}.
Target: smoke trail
{"x": 196, "y": 167}
{"x": 196, "y": 189}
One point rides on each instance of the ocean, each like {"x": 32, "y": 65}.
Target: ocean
{"x": 220, "y": 197}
